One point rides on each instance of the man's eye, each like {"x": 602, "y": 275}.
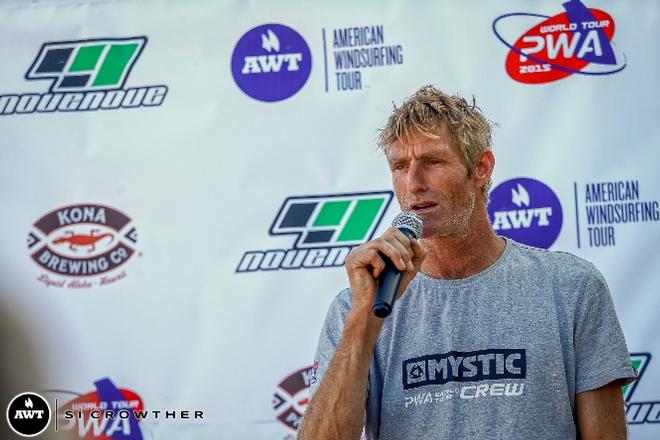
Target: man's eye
{"x": 398, "y": 166}
{"x": 434, "y": 162}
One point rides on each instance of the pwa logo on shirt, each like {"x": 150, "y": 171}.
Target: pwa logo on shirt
{"x": 526, "y": 210}
{"x": 575, "y": 41}
{"x": 83, "y": 240}
{"x": 327, "y": 227}
{"x": 640, "y": 412}
{"x": 85, "y": 75}
{"x": 271, "y": 62}
{"x": 291, "y": 397}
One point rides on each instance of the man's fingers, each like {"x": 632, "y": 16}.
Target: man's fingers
{"x": 396, "y": 252}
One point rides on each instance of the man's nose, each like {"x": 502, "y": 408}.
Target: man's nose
{"x": 416, "y": 178}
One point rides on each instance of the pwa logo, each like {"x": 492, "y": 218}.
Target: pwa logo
{"x": 291, "y": 397}
{"x": 107, "y": 413}
{"x": 526, "y": 210}
{"x": 575, "y": 41}
{"x": 327, "y": 227}
{"x": 85, "y": 75}
{"x": 28, "y": 414}
{"x": 82, "y": 240}
{"x": 271, "y": 62}
{"x": 640, "y": 412}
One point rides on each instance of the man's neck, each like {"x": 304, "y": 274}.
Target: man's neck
{"x": 460, "y": 256}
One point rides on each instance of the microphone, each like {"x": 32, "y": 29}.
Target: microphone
{"x": 390, "y": 279}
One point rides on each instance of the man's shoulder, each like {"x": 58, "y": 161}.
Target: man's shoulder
{"x": 553, "y": 263}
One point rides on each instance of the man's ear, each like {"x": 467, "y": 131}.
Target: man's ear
{"x": 483, "y": 168}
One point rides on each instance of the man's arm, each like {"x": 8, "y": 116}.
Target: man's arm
{"x": 337, "y": 409}
{"x": 600, "y": 413}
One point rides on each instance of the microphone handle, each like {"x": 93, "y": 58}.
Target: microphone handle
{"x": 388, "y": 284}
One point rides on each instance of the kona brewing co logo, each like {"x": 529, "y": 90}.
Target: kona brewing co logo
{"x": 271, "y": 62}
{"x": 327, "y": 228}
{"x": 82, "y": 240}
{"x": 526, "y": 210}
{"x": 85, "y": 75}
{"x": 575, "y": 41}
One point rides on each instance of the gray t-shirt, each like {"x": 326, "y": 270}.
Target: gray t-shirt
{"x": 499, "y": 355}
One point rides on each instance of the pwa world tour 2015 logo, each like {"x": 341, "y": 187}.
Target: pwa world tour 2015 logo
{"x": 291, "y": 397}
{"x": 578, "y": 41}
{"x": 640, "y": 412}
{"x": 271, "y": 62}
{"x": 327, "y": 228}
{"x": 83, "y": 243}
{"x": 85, "y": 75}
{"x": 526, "y": 210}
{"x": 109, "y": 413}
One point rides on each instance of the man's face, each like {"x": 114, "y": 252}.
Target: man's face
{"x": 430, "y": 178}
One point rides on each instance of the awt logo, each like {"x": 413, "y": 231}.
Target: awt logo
{"x": 85, "y": 75}
{"x": 271, "y": 62}
{"x": 326, "y": 227}
{"x": 578, "y": 41}
{"x": 526, "y": 210}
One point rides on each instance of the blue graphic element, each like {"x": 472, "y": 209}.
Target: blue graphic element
{"x": 298, "y": 215}
{"x": 271, "y": 62}
{"x": 54, "y": 60}
{"x": 527, "y": 211}
{"x": 577, "y": 12}
{"x": 108, "y": 392}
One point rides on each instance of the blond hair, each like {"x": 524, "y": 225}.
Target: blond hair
{"x": 424, "y": 111}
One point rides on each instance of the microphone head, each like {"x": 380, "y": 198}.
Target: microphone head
{"x": 409, "y": 221}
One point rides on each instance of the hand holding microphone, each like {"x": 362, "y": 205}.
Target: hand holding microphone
{"x": 383, "y": 267}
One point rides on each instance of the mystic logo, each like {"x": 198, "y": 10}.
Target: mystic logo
{"x": 85, "y": 75}
{"x": 458, "y": 366}
{"x": 291, "y": 397}
{"x": 526, "y": 210}
{"x": 327, "y": 228}
{"x": 640, "y": 412}
{"x": 575, "y": 41}
{"x": 271, "y": 62}
{"x": 28, "y": 414}
{"x": 82, "y": 240}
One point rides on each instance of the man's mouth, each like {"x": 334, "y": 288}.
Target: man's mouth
{"x": 422, "y": 207}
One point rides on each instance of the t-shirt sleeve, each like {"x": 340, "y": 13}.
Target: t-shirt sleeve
{"x": 601, "y": 353}
{"x": 329, "y": 338}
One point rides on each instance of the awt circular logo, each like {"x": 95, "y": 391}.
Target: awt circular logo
{"x": 527, "y": 211}
{"x": 28, "y": 414}
{"x": 271, "y": 62}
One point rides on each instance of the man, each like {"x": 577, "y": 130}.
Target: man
{"x": 491, "y": 339}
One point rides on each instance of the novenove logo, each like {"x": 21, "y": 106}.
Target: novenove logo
{"x": 85, "y": 75}
{"x": 271, "y": 62}
{"x": 526, "y": 210}
{"x": 28, "y": 414}
{"x": 326, "y": 227}
{"x": 576, "y": 41}
{"x": 639, "y": 411}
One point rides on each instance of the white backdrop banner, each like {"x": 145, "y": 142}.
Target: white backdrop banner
{"x": 183, "y": 180}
